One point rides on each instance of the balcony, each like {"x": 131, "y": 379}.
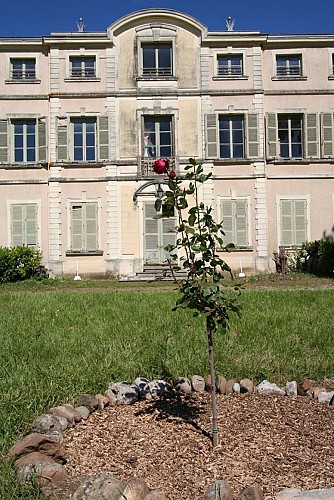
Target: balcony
{"x": 146, "y": 166}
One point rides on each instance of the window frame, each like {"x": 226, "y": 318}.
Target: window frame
{"x": 83, "y": 54}
{"x": 83, "y": 120}
{"x": 233, "y": 201}
{"x": 232, "y": 142}
{"x": 230, "y": 73}
{"x": 82, "y": 73}
{"x": 27, "y": 202}
{"x": 84, "y": 250}
{"x": 306, "y": 200}
{"x": 158, "y": 119}
{"x": 290, "y": 143}
{"x": 156, "y": 72}
{"x": 25, "y": 57}
{"x": 301, "y": 54}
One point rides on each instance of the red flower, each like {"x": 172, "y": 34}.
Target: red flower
{"x": 160, "y": 166}
{"x": 172, "y": 174}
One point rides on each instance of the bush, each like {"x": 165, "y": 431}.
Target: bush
{"x": 316, "y": 257}
{"x": 20, "y": 263}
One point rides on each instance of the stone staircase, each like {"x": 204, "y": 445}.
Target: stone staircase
{"x": 152, "y": 272}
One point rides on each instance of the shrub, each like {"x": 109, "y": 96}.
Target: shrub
{"x": 19, "y": 263}
{"x": 316, "y": 257}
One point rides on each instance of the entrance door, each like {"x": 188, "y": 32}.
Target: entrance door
{"x": 157, "y": 234}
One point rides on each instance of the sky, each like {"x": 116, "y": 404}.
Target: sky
{"x": 30, "y": 18}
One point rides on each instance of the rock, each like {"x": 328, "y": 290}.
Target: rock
{"x": 84, "y": 411}
{"x": 47, "y": 473}
{"x": 76, "y": 414}
{"x": 219, "y": 490}
{"x": 183, "y": 385}
{"x": 251, "y": 493}
{"x": 266, "y": 387}
{"x": 197, "y": 383}
{"x": 236, "y": 388}
{"x": 42, "y": 443}
{"x": 135, "y": 489}
{"x": 288, "y": 493}
{"x": 229, "y": 385}
{"x": 220, "y": 384}
{"x": 143, "y": 387}
{"x": 125, "y": 392}
{"x": 207, "y": 381}
{"x": 61, "y": 411}
{"x": 297, "y": 494}
{"x": 34, "y": 458}
{"x": 89, "y": 401}
{"x": 325, "y": 397}
{"x": 102, "y": 401}
{"x": 155, "y": 495}
{"x": 317, "y": 391}
{"x": 246, "y": 385}
{"x": 49, "y": 424}
{"x": 106, "y": 486}
{"x": 160, "y": 388}
{"x": 291, "y": 388}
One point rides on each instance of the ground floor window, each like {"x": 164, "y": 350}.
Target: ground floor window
{"x": 24, "y": 228}
{"x": 84, "y": 226}
{"x": 293, "y": 221}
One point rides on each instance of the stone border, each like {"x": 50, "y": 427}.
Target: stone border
{"x": 41, "y": 452}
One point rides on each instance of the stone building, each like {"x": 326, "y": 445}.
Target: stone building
{"x": 83, "y": 117}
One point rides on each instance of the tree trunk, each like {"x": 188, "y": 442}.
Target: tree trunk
{"x": 213, "y": 389}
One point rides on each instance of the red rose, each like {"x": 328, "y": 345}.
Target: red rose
{"x": 172, "y": 174}
{"x": 160, "y": 166}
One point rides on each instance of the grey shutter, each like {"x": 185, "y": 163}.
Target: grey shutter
{"x": 300, "y": 222}
{"x": 241, "y": 225}
{"x": 327, "y": 135}
{"x": 41, "y": 124}
{"x": 286, "y": 222}
{"x": 31, "y": 225}
{"x": 211, "y": 136}
{"x": 104, "y": 137}
{"x": 91, "y": 226}
{"x": 312, "y": 135}
{"x": 228, "y": 221}
{"x": 293, "y": 222}
{"x": 77, "y": 226}
{"x": 24, "y": 225}
{"x": 252, "y": 135}
{"x": 151, "y": 234}
{"x": 168, "y": 234}
{"x": 3, "y": 141}
{"x": 17, "y": 226}
{"x": 272, "y": 136}
{"x": 62, "y": 141}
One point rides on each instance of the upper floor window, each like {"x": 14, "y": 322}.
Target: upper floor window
{"x": 231, "y": 136}
{"x": 230, "y": 65}
{"x": 288, "y": 65}
{"x": 157, "y": 137}
{"x": 290, "y": 133}
{"x": 84, "y": 139}
{"x": 157, "y": 59}
{"x": 23, "y": 69}
{"x": 83, "y": 67}
{"x": 24, "y": 132}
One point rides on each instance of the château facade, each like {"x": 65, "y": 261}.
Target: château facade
{"x": 83, "y": 117}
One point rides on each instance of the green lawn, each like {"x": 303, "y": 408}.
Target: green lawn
{"x": 60, "y": 339}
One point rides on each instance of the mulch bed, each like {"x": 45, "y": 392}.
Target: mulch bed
{"x": 270, "y": 441}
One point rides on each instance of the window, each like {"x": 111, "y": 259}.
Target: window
{"x": 24, "y": 141}
{"x": 234, "y": 214}
{"x": 84, "y": 226}
{"x": 157, "y": 59}
{"x": 23, "y": 69}
{"x": 157, "y": 137}
{"x": 230, "y": 65}
{"x": 83, "y": 67}
{"x": 290, "y": 132}
{"x": 289, "y": 66}
{"x": 84, "y": 139}
{"x": 24, "y": 225}
{"x": 231, "y": 136}
{"x": 293, "y": 221}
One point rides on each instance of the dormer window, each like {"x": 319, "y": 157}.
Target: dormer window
{"x": 289, "y": 66}
{"x": 23, "y": 69}
{"x": 83, "y": 67}
{"x": 157, "y": 60}
{"x": 230, "y": 65}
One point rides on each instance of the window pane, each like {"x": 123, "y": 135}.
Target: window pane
{"x": 31, "y": 141}
{"x": 31, "y": 154}
{"x": 284, "y": 153}
{"x": 148, "y": 56}
{"x": 224, "y": 151}
{"x": 78, "y": 154}
{"x": 297, "y": 150}
{"x": 18, "y": 155}
{"x": 238, "y": 151}
{"x": 164, "y": 59}
{"x": 165, "y": 151}
{"x": 90, "y": 154}
{"x": 78, "y": 140}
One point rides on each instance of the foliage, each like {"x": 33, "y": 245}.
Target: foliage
{"x": 316, "y": 257}
{"x": 200, "y": 237}
{"x": 20, "y": 263}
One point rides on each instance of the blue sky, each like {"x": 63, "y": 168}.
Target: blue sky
{"x": 41, "y": 17}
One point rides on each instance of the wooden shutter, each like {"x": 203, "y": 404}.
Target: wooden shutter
{"x": 211, "y": 136}
{"x": 41, "y": 124}
{"x": 24, "y": 225}
{"x": 151, "y": 234}
{"x": 228, "y": 223}
{"x": 168, "y": 234}
{"x": 252, "y": 137}
{"x": 62, "y": 140}
{"x": 312, "y": 135}
{"x": 286, "y": 222}
{"x": 327, "y": 150}
{"x": 77, "y": 227}
{"x": 3, "y": 141}
{"x": 104, "y": 137}
{"x": 241, "y": 226}
{"x": 300, "y": 222}
{"x": 272, "y": 136}
{"x": 91, "y": 226}
{"x": 293, "y": 222}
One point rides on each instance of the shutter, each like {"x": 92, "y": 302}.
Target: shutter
{"x": 211, "y": 136}
{"x": 228, "y": 221}
{"x": 151, "y": 234}
{"x": 286, "y": 222}
{"x": 62, "y": 141}
{"x": 168, "y": 234}
{"x": 272, "y": 136}
{"x": 300, "y": 221}
{"x": 41, "y": 140}
{"x": 252, "y": 135}
{"x": 76, "y": 227}
{"x": 241, "y": 223}
{"x": 104, "y": 137}
{"x": 91, "y": 226}
{"x": 312, "y": 141}
{"x": 17, "y": 225}
{"x": 327, "y": 135}
{"x": 30, "y": 225}
{"x": 3, "y": 141}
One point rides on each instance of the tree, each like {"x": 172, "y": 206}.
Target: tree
{"x": 200, "y": 237}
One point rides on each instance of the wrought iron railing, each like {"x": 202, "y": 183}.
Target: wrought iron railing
{"x": 157, "y": 72}
{"x": 146, "y": 166}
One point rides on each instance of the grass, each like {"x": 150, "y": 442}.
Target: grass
{"x": 60, "y": 339}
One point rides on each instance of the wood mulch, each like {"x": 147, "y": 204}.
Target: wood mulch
{"x": 270, "y": 441}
